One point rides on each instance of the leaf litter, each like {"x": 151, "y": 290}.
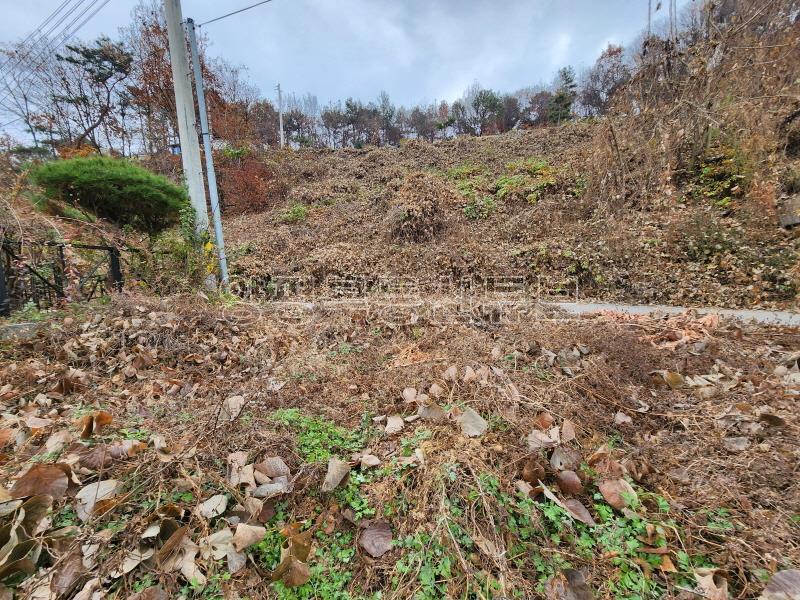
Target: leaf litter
{"x": 176, "y": 474}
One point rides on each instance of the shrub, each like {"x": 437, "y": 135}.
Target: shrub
{"x": 114, "y": 189}
{"x": 479, "y": 208}
{"x": 297, "y": 213}
{"x": 416, "y": 212}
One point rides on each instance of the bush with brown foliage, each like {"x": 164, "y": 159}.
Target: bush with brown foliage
{"x": 416, "y": 213}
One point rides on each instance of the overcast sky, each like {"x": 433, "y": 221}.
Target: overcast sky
{"x": 417, "y": 50}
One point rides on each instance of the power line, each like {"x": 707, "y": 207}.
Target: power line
{"x": 38, "y": 29}
{"x": 4, "y": 125}
{"x": 236, "y": 12}
{"x": 46, "y": 34}
{"x": 70, "y": 29}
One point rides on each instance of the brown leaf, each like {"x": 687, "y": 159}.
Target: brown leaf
{"x": 152, "y": 593}
{"x": 6, "y": 436}
{"x": 622, "y": 419}
{"x": 89, "y": 496}
{"x": 568, "y": 585}
{"x": 247, "y": 535}
{"x": 297, "y": 573}
{"x": 431, "y": 411}
{"x": 567, "y": 431}
{"x": 376, "y": 539}
{"x": 273, "y": 466}
{"x": 451, "y": 374}
{"x": 713, "y": 585}
{"x": 170, "y": 547}
{"x": 579, "y": 511}
{"x": 564, "y": 458}
{"x": 409, "y": 394}
{"x": 231, "y": 407}
{"x": 472, "y": 424}
{"x": 41, "y": 479}
{"x": 539, "y": 439}
{"x": 543, "y": 420}
{"x": 394, "y": 424}
{"x": 783, "y": 585}
{"x": 213, "y": 507}
{"x": 93, "y": 424}
{"x": 337, "y": 470}
{"x": 666, "y": 565}
{"x": 613, "y": 491}
{"x": 569, "y": 482}
{"x": 532, "y": 471}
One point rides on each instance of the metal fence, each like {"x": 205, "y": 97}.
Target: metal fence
{"x": 46, "y": 273}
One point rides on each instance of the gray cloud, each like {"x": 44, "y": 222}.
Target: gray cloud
{"x": 417, "y": 50}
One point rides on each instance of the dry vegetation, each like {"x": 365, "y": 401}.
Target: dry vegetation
{"x": 421, "y": 454}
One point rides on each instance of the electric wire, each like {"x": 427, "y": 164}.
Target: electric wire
{"x": 34, "y": 33}
{"x": 47, "y": 36}
{"x": 66, "y": 33}
{"x": 236, "y": 12}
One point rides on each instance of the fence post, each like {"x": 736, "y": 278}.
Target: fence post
{"x": 5, "y": 302}
{"x": 116, "y": 269}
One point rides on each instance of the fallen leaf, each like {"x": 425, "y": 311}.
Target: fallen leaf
{"x": 736, "y": 444}
{"x": 409, "y": 394}
{"x": 247, "y": 535}
{"x": 152, "y": 593}
{"x": 564, "y": 458}
{"x": 369, "y": 460}
{"x": 469, "y": 375}
{"x": 56, "y": 442}
{"x": 46, "y": 479}
{"x": 187, "y": 565}
{"x": 567, "y": 431}
{"x": 783, "y": 585}
{"x": 569, "y": 482}
{"x": 532, "y": 471}
{"x": 394, "y": 424}
{"x": 579, "y": 511}
{"x": 297, "y": 573}
{"x": 431, "y": 411}
{"x": 617, "y": 492}
{"x": 273, "y": 466}
{"x": 134, "y": 558}
{"x": 539, "y": 439}
{"x": 231, "y": 407}
{"x": 451, "y": 374}
{"x": 472, "y": 424}
{"x": 666, "y": 565}
{"x": 435, "y": 390}
{"x": 213, "y": 507}
{"x": 376, "y": 539}
{"x": 713, "y": 585}
{"x": 543, "y": 420}
{"x": 68, "y": 575}
{"x": 277, "y": 486}
{"x": 337, "y": 470}
{"x": 568, "y": 585}
{"x": 90, "y": 495}
{"x": 622, "y": 419}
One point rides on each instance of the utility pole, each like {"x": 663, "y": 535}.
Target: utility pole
{"x": 187, "y": 124}
{"x": 280, "y": 115}
{"x": 205, "y": 131}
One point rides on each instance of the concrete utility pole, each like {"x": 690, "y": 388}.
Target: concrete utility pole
{"x": 280, "y": 114}
{"x": 205, "y": 131}
{"x": 187, "y": 124}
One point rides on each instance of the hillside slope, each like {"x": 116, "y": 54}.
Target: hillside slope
{"x": 513, "y": 205}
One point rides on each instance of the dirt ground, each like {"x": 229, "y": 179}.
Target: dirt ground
{"x": 196, "y": 448}
{"x": 513, "y": 205}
